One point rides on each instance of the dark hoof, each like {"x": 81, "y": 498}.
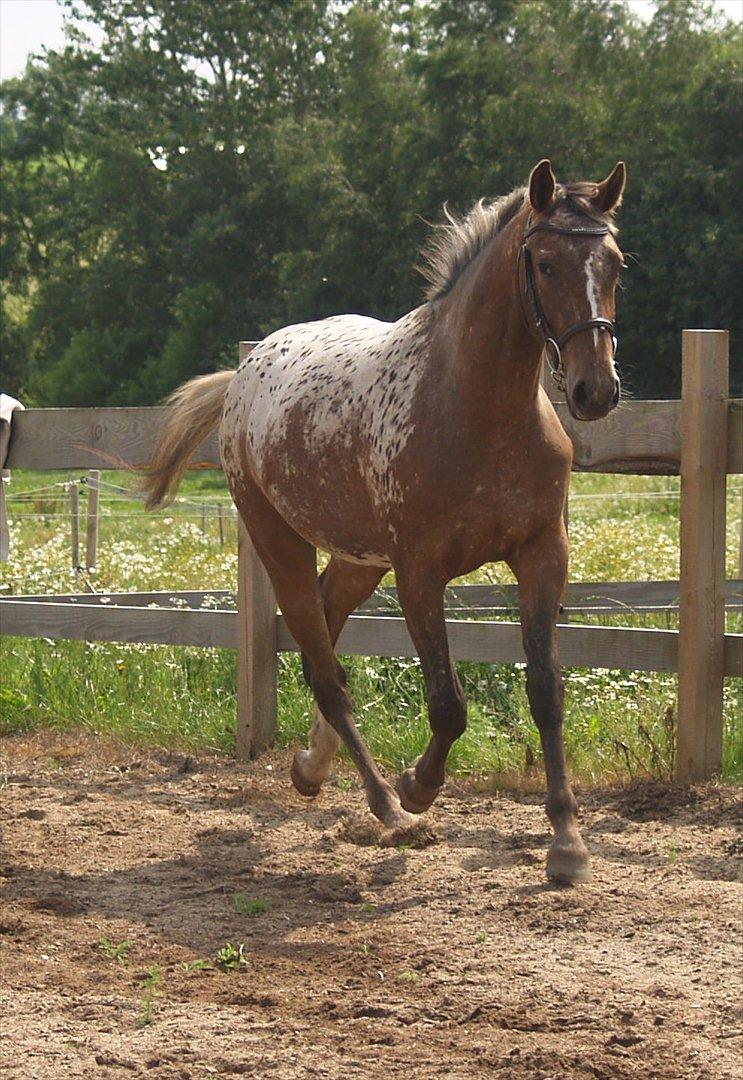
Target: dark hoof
{"x": 305, "y": 787}
{"x": 413, "y": 795}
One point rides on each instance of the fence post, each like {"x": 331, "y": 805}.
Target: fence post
{"x": 257, "y": 651}
{"x": 75, "y": 524}
{"x": 704, "y": 410}
{"x": 257, "y": 646}
{"x": 91, "y": 545}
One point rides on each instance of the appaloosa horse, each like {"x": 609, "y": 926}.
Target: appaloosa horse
{"x": 426, "y": 446}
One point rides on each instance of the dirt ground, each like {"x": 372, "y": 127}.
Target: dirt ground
{"x": 455, "y": 959}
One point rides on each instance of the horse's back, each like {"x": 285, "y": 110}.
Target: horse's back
{"x": 317, "y": 413}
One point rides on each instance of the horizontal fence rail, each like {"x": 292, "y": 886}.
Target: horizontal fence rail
{"x": 598, "y": 598}
{"x": 364, "y": 635}
{"x": 642, "y": 437}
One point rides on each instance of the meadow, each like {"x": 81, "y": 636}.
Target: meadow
{"x": 619, "y": 725}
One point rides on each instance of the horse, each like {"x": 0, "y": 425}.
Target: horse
{"x": 426, "y": 446}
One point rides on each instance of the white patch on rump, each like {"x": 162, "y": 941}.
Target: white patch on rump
{"x": 348, "y": 382}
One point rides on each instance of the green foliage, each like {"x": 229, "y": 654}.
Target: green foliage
{"x": 231, "y": 959}
{"x": 212, "y": 171}
{"x": 151, "y": 990}
{"x": 115, "y": 951}
{"x": 244, "y": 905}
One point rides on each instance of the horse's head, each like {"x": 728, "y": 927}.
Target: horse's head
{"x": 571, "y": 265}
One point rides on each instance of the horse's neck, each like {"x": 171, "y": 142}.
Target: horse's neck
{"x": 494, "y": 360}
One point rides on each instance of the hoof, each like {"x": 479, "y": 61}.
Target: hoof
{"x": 308, "y": 788}
{"x": 396, "y": 819}
{"x": 569, "y": 864}
{"x": 413, "y": 796}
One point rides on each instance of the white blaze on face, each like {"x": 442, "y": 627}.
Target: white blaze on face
{"x": 592, "y": 292}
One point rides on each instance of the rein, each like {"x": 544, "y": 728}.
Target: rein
{"x": 554, "y": 344}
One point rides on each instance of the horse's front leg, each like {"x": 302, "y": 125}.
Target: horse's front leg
{"x": 422, "y": 603}
{"x": 541, "y": 571}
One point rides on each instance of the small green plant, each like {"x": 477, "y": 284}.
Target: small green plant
{"x": 345, "y": 783}
{"x": 481, "y": 937}
{"x": 408, "y": 976}
{"x": 231, "y": 959}
{"x": 364, "y": 949}
{"x": 150, "y": 993}
{"x": 245, "y": 906}
{"x": 197, "y": 965}
{"x": 368, "y": 908}
{"x": 673, "y": 855}
{"x": 118, "y": 952}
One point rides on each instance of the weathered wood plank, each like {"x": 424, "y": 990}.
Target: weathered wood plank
{"x": 735, "y": 436}
{"x": 75, "y": 525}
{"x": 609, "y": 597}
{"x": 702, "y": 590}
{"x": 612, "y": 597}
{"x": 96, "y": 622}
{"x": 91, "y": 536}
{"x": 257, "y": 661}
{"x": 166, "y": 598}
{"x": 94, "y": 438}
{"x": 640, "y": 437}
{"x": 488, "y": 642}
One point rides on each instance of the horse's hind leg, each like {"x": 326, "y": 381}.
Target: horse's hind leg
{"x": 422, "y": 602}
{"x": 344, "y": 586}
{"x": 290, "y": 562}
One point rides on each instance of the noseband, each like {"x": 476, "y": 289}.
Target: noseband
{"x": 554, "y": 344}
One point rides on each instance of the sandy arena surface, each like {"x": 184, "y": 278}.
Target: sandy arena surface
{"x": 455, "y": 959}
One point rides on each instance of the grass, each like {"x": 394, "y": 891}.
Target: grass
{"x": 115, "y": 951}
{"x": 618, "y": 725}
{"x": 244, "y": 905}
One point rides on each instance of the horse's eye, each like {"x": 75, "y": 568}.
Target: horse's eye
{"x": 544, "y": 268}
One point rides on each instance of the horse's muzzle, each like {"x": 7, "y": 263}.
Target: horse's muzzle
{"x": 589, "y": 400}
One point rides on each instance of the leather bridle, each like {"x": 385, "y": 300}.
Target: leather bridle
{"x": 554, "y": 343}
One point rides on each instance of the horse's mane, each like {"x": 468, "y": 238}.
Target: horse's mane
{"x": 454, "y": 244}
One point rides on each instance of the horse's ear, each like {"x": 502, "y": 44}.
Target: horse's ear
{"x": 542, "y": 185}
{"x": 609, "y": 194}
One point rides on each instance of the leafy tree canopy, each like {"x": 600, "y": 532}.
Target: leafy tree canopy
{"x": 214, "y": 170}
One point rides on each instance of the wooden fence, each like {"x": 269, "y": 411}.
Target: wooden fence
{"x": 700, "y": 437}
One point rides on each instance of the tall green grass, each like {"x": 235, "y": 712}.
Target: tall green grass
{"x": 618, "y": 724}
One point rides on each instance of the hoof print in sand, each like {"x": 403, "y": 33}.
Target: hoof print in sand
{"x": 368, "y": 832}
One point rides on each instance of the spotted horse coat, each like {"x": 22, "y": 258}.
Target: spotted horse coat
{"x": 427, "y": 446}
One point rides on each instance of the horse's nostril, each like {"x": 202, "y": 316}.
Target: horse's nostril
{"x": 580, "y": 394}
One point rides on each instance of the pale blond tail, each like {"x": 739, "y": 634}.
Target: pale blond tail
{"x": 196, "y": 409}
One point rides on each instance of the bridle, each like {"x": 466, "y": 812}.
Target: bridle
{"x": 554, "y": 344}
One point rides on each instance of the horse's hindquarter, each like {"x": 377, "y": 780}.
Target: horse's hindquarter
{"x": 316, "y": 416}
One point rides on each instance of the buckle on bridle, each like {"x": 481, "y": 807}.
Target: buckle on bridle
{"x": 554, "y": 362}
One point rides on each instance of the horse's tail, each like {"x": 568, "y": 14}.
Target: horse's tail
{"x": 196, "y": 409}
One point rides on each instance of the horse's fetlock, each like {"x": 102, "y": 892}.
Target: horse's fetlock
{"x": 562, "y": 805}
